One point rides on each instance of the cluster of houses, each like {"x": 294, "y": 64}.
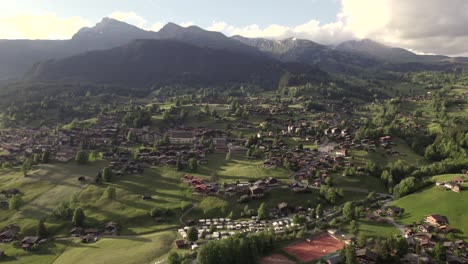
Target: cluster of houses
{"x": 89, "y": 235}
{"x": 427, "y": 234}
{"x": 254, "y": 190}
{"x": 453, "y": 185}
{"x": 10, "y": 234}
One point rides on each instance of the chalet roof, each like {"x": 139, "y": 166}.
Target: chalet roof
{"x": 437, "y": 217}
{"x": 111, "y": 224}
{"x": 255, "y": 190}
{"x": 30, "y": 240}
{"x": 419, "y": 234}
{"x": 179, "y": 243}
{"x": 333, "y": 259}
{"x": 8, "y": 233}
{"x": 182, "y": 134}
{"x": 447, "y": 244}
{"x": 282, "y": 205}
{"x": 365, "y": 252}
{"x": 394, "y": 209}
{"x": 76, "y": 230}
{"x": 91, "y": 230}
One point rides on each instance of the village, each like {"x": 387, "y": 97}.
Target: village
{"x": 315, "y": 152}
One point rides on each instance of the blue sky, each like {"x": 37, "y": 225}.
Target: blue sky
{"x": 200, "y": 12}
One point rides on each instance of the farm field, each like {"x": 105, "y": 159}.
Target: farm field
{"x": 381, "y": 158}
{"x": 144, "y": 249}
{"x": 434, "y": 200}
{"x": 44, "y": 188}
{"x": 134, "y": 250}
{"x": 129, "y": 209}
{"x": 364, "y": 182}
{"x": 239, "y": 168}
{"x": 374, "y": 229}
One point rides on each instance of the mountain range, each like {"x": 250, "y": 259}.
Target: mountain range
{"x": 189, "y": 53}
{"x": 147, "y": 62}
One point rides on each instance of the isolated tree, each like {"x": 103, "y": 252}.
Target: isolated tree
{"x": 74, "y": 200}
{"x": 417, "y": 248}
{"x": 26, "y": 166}
{"x": 131, "y": 136}
{"x": 174, "y": 258}
{"x": 15, "y": 202}
{"x": 230, "y": 215}
{"x": 299, "y": 219}
{"x": 212, "y": 147}
{"x": 179, "y": 165}
{"x": 354, "y": 227}
{"x": 78, "y": 217}
{"x": 110, "y": 192}
{"x": 45, "y": 158}
{"x": 42, "y": 229}
{"x": 192, "y": 234}
{"x": 371, "y": 196}
{"x": 361, "y": 240}
{"x": 193, "y": 164}
{"x": 350, "y": 255}
{"x": 63, "y": 211}
{"x": 402, "y": 246}
{"x": 93, "y": 156}
{"x": 249, "y": 152}
{"x": 439, "y": 252}
{"x": 81, "y": 157}
{"x": 262, "y": 212}
{"x": 319, "y": 211}
{"x": 107, "y": 174}
{"x": 36, "y": 158}
{"x": 348, "y": 210}
{"x": 312, "y": 213}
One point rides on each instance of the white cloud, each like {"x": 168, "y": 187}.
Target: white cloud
{"x": 272, "y": 31}
{"x": 156, "y": 26}
{"x": 40, "y": 26}
{"x": 218, "y": 26}
{"x": 427, "y": 26}
{"x": 186, "y": 24}
{"x": 129, "y": 17}
{"x": 136, "y": 20}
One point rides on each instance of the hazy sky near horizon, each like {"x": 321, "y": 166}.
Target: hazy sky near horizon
{"x": 424, "y": 26}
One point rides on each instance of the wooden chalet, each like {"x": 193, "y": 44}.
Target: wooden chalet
{"x": 257, "y": 192}
{"x": 366, "y": 256}
{"x": 28, "y": 242}
{"x": 436, "y": 220}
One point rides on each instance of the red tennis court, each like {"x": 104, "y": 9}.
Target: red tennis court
{"x": 314, "y": 248}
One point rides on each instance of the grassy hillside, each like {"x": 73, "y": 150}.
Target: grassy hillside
{"x": 374, "y": 229}
{"x": 45, "y": 187}
{"x": 434, "y": 200}
{"x": 141, "y": 249}
{"x": 239, "y": 168}
{"x": 125, "y": 250}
